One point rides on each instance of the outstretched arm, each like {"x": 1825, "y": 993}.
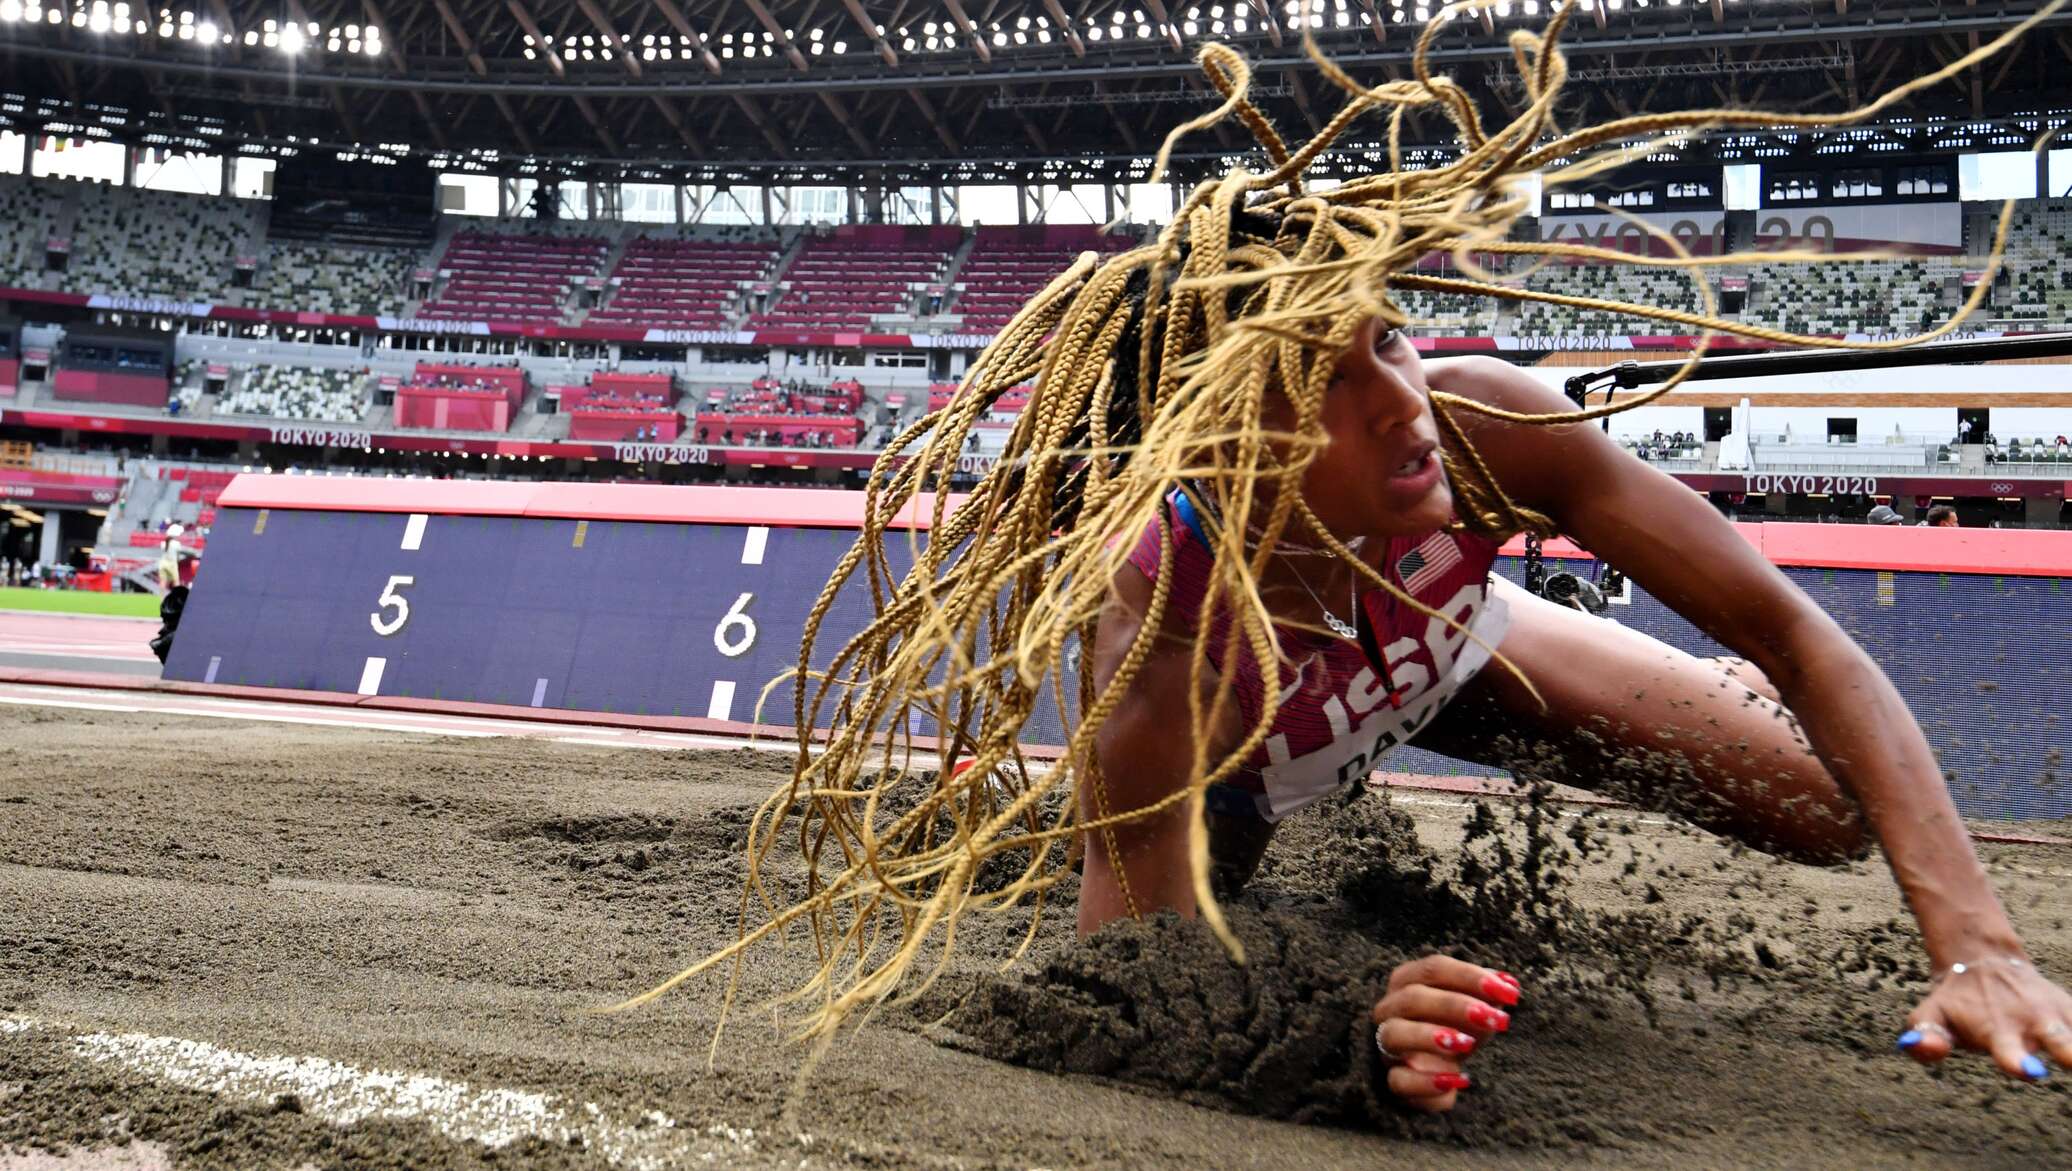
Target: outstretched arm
{"x": 1682, "y": 551}
{"x": 1145, "y": 753}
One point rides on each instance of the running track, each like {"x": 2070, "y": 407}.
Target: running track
{"x": 78, "y": 641}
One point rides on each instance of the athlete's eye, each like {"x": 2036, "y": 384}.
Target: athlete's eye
{"x": 1384, "y": 340}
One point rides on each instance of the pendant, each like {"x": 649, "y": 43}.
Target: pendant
{"x": 1340, "y": 626}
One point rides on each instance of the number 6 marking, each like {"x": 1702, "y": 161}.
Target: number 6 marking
{"x": 736, "y": 617}
{"x": 389, "y": 597}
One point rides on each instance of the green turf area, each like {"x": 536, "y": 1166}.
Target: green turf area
{"x": 80, "y": 602}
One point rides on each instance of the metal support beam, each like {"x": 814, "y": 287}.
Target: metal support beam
{"x": 870, "y": 32}
{"x": 588, "y": 110}
{"x": 777, "y": 30}
{"x": 541, "y": 43}
{"x": 611, "y": 36}
{"x": 389, "y": 40}
{"x": 1269, "y": 18}
{"x": 460, "y": 36}
{"x": 756, "y": 118}
{"x": 841, "y": 114}
{"x": 675, "y": 118}
{"x": 970, "y": 30}
{"x": 1165, "y": 21}
{"x": 1064, "y": 23}
{"x": 942, "y": 132}
{"x": 517, "y": 124}
{"x": 674, "y": 15}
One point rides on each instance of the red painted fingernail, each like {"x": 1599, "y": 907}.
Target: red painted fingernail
{"x": 1499, "y": 989}
{"x": 1450, "y": 1041}
{"x": 1450, "y": 1081}
{"x": 1484, "y": 1017}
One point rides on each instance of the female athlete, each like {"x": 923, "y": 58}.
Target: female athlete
{"x": 1271, "y": 527}
{"x": 1359, "y": 673}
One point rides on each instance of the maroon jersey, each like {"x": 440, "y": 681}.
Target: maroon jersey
{"x": 1338, "y": 715}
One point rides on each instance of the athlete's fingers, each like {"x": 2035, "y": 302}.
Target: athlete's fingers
{"x": 2056, "y": 1039}
{"x": 2014, "y": 1058}
{"x": 1437, "y": 1006}
{"x": 1425, "y": 1081}
{"x": 1440, "y": 971}
{"x": 1927, "y": 1039}
{"x": 1402, "y": 1038}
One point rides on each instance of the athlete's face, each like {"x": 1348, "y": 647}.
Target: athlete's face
{"x": 1379, "y": 473}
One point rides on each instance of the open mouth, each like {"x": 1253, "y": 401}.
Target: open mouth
{"x": 1419, "y": 460}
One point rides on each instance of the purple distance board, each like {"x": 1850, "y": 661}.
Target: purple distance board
{"x": 671, "y": 619}
{"x": 631, "y": 617}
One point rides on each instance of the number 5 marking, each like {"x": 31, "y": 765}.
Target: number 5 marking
{"x": 389, "y": 597}
{"x": 736, "y": 618}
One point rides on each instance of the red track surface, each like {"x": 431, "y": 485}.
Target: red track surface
{"x": 76, "y": 636}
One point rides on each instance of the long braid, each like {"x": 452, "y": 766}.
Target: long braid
{"x": 1153, "y": 369}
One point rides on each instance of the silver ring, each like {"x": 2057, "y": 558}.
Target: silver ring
{"x": 1926, "y": 1026}
{"x": 1387, "y": 1056}
{"x": 2055, "y": 1028}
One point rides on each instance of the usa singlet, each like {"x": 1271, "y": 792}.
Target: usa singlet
{"x": 1339, "y": 715}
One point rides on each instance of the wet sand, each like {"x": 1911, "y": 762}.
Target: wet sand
{"x": 239, "y": 945}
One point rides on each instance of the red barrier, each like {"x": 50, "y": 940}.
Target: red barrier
{"x": 2009, "y": 552}
{"x": 453, "y": 410}
{"x": 36, "y": 486}
{"x": 137, "y": 390}
{"x": 10, "y": 376}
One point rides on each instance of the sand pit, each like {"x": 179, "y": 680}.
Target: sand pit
{"x": 231, "y": 945}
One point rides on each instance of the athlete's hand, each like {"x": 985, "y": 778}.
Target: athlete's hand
{"x": 1438, "y": 1011}
{"x": 2003, "y": 1006}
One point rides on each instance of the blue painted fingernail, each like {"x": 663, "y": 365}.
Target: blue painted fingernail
{"x": 2032, "y": 1068}
{"x": 1909, "y": 1039}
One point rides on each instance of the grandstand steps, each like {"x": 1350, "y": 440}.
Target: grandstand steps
{"x": 955, "y": 268}
{"x": 781, "y": 269}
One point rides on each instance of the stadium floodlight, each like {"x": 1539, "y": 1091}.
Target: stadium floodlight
{"x": 841, "y": 47}
{"x": 293, "y": 40}
{"x": 10, "y": 11}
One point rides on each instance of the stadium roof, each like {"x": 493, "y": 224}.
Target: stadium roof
{"x": 894, "y": 92}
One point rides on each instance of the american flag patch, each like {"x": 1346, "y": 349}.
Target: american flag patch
{"x": 1427, "y": 563}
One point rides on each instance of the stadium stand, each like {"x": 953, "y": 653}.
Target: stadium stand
{"x": 1007, "y": 266}
{"x": 1877, "y": 296}
{"x": 2039, "y": 248}
{"x": 29, "y": 216}
{"x": 620, "y": 406}
{"x": 445, "y": 396}
{"x": 157, "y": 244}
{"x": 843, "y": 280}
{"x": 332, "y": 396}
{"x": 1667, "y": 288}
{"x": 685, "y": 284}
{"x": 323, "y": 278}
{"x": 512, "y": 276}
{"x": 1436, "y": 313}
{"x": 793, "y": 413}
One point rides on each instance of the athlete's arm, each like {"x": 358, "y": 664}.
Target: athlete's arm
{"x": 1682, "y": 551}
{"x": 1145, "y": 754}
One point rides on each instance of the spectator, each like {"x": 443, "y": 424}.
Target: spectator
{"x": 1882, "y": 514}
{"x": 169, "y": 558}
{"x": 1942, "y": 516}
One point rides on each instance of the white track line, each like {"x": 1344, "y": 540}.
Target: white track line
{"x": 346, "y": 1095}
{"x": 266, "y": 716}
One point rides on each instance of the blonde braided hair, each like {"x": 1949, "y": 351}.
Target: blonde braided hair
{"x": 1153, "y": 369}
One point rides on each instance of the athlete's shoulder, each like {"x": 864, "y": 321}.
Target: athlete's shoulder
{"x": 1494, "y": 381}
